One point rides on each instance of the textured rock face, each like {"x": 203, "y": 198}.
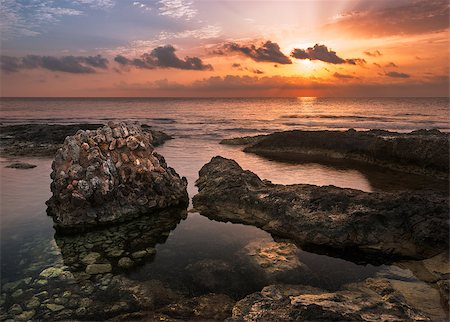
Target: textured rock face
{"x": 110, "y": 175}
{"x": 372, "y": 300}
{"x": 399, "y": 224}
{"x": 421, "y": 152}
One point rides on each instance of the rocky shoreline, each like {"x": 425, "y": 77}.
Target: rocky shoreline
{"x": 90, "y": 276}
{"x": 400, "y": 224}
{"x": 424, "y": 152}
{"x": 43, "y": 140}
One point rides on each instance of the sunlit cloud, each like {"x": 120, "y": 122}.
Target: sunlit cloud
{"x": 415, "y": 17}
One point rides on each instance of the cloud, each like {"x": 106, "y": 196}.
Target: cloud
{"x": 177, "y": 9}
{"x": 67, "y": 64}
{"x": 343, "y": 76}
{"x": 415, "y": 17}
{"x": 142, "y": 6}
{"x": 391, "y": 64}
{"x": 97, "y": 4}
{"x": 163, "y": 57}
{"x": 375, "y": 53}
{"x": 322, "y": 53}
{"x": 267, "y": 52}
{"x": 397, "y": 75}
{"x": 18, "y": 19}
{"x": 234, "y": 86}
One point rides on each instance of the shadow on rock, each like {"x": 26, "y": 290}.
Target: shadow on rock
{"x": 117, "y": 248}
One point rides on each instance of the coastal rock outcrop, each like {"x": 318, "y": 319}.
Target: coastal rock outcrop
{"x": 44, "y": 140}
{"x": 371, "y": 300}
{"x": 111, "y": 175}
{"x": 421, "y": 152}
{"x": 341, "y": 220}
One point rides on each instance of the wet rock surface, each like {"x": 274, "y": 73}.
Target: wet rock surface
{"x": 372, "y": 300}
{"x": 111, "y": 175}
{"x": 386, "y": 224}
{"x": 44, "y": 140}
{"x": 420, "y": 152}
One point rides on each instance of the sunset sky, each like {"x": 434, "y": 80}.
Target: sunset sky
{"x": 224, "y": 48}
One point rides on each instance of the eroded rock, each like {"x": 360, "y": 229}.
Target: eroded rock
{"x": 98, "y": 179}
{"x": 371, "y": 300}
{"x": 420, "y": 152}
{"x": 398, "y": 224}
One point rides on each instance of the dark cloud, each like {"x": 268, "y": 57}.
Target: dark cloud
{"x": 397, "y": 75}
{"x": 163, "y": 57}
{"x": 67, "y": 64}
{"x": 415, "y": 17}
{"x": 322, "y": 53}
{"x": 378, "y": 65}
{"x": 236, "y": 65}
{"x": 391, "y": 64}
{"x": 375, "y": 53}
{"x": 343, "y": 76}
{"x": 267, "y": 52}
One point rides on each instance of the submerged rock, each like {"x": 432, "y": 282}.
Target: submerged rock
{"x": 398, "y": 224}
{"x": 21, "y": 165}
{"x": 421, "y": 152}
{"x": 111, "y": 175}
{"x": 115, "y": 245}
{"x": 371, "y": 300}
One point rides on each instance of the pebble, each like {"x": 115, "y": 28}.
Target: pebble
{"x": 91, "y": 258}
{"x": 15, "y": 309}
{"x": 25, "y": 316}
{"x": 33, "y": 303}
{"x": 98, "y": 268}
{"x": 125, "y": 262}
{"x": 54, "y": 307}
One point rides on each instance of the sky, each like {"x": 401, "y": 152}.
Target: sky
{"x": 230, "y": 48}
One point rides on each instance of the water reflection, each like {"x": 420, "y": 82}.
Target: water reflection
{"x": 120, "y": 247}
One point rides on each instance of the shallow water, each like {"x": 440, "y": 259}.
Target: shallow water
{"x": 199, "y": 255}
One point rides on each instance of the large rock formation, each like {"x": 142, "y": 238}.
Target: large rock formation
{"x": 420, "y": 152}
{"x": 111, "y": 175}
{"x": 399, "y": 224}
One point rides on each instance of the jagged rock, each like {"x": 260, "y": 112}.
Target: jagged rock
{"x": 399, "y": 224}
{"x": 371, "y": 300}
{"x": 97, "y": 182}
{"x": 421, "y": 151}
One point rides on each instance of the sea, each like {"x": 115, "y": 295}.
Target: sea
{"x": 28, "y": 241}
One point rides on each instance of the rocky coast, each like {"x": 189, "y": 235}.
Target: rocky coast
{"x": 43, "y": 140}
{"x": 424, "y": 152}
{"x": 116, "y": 202}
